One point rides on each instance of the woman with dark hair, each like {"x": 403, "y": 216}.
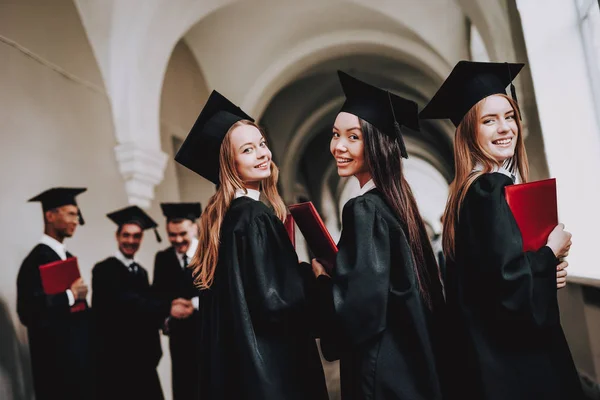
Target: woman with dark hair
{"x": 255, "y": 341}
{"x": 507, "y": 337}
{"x": 383, "y": 304}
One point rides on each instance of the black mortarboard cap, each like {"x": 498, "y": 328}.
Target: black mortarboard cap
{"x": 381, "y": 108}
{"x": 189, "y": 211}
{"x": 200, "y": 150}
{"x": 468, "y": 83}
{"x": 58, "y": 197}
{"x": 134, "y": 215}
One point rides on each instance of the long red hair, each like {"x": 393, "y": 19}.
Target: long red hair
{"x": 204, "y": 262}
{"x": 467, "y": 154}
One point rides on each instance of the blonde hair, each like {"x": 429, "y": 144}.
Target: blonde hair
{"x": 204, "y": 262}
{"x": 467, "y": 154}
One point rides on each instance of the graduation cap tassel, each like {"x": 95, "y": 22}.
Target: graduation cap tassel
{"x": 513, "y": 94}
{"x": 513, "y": 91}
{"x": 158, "y": 238}
{"x": 397, "y": 130}
{"x": 403, "y": 151}
{"x": 81, "y": 220}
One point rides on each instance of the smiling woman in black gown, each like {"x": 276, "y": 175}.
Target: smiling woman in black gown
{"x": 255, "y": 336}
{"x": 383, "y": 307}
{"x": 502, "y": 301}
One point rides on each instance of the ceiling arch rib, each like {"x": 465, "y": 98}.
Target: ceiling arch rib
{"x": 291, "y": 65}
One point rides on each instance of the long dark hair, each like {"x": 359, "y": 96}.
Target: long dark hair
{"x": 384, "y": 160}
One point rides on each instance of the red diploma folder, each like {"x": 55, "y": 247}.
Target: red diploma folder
{"x": 290, "y": 227}
{"x": 535, "y": 209}
{"x": 58, "y": 276}
{"x": 316, "y": 234}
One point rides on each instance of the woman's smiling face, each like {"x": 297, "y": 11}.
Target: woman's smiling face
{"x": 348, "y": 147}
{"x": 497, "y": 130}
{"x": 251, "y": 154}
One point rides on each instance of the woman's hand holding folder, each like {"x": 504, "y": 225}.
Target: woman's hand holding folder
{"x": 560, "y": 242}
{"x": 561, "y": 275}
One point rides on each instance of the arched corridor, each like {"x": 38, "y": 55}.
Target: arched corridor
{"x": 119, "y": 84}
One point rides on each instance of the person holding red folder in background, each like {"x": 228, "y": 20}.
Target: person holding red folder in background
{"x": 59, "y": 340}
{"x": 128, "y": 315}
{"x": 255, "y": 340}
{"x": 383, "y": 306}
{"x": 502, "y": 301}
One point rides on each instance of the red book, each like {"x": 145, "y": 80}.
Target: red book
{"x": 290, "y": 227}
{"x": 535, "y": 209}
{"x": 316, "y": 234}
{"x": 58, "y": 276}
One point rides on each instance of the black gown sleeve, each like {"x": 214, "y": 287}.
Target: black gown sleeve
{"x": 162, "y": 290}
{"x": 35, "y": 308}
{"x": 160, "y": 281}
{"x": 333, "y": 342}
{"x": 272, "y": 278}
{"x": 360, "y": 280}
{"x": 520, "y": 286}
{"x": 111, "y": 292}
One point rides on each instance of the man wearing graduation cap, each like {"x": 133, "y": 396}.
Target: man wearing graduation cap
{"x": 174, "y": 284}
{"x": 58, "y": 338}
{"x": 128, "y": 316}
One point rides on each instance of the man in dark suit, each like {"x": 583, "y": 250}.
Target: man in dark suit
{"x": 128, "y": 316}
{"x": 59, "y": 340}
{"x": 174, "y": 283}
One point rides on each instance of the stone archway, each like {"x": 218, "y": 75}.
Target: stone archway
{"x": 133, "y": 46}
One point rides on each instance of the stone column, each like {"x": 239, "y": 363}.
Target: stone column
{"x": 142, "y": 169}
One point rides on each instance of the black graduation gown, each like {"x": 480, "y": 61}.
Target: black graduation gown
{"x": 127, "y": 318}
{"x": 171, "y": 281}
{"x": 59, "y": 341}
{"x": 255, "y": 339}
{"x": 503, "y": 303}
{"x": 374, "y": 319}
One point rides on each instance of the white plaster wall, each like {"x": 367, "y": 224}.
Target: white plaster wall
{"x": 56, "y": 131}
{"x": 478, "y": 51}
